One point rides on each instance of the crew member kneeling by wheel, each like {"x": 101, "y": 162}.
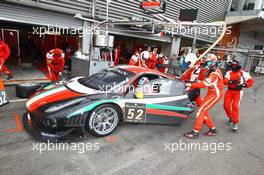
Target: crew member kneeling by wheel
{"x": 236, "y": 80}
{"x": 215, "y": 84}
{"x": 193, "y": 74}
{"x": 55, "y": 63}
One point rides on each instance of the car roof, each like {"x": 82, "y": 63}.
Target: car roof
{"x": 141, "y": 70}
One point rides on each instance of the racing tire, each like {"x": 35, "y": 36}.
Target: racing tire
{"x": 25, "y": 90}
{"x": 193, "y": 94}
{"x": 103, "y": 120}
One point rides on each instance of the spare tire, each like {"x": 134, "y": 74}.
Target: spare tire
{"x": 25, "y": 90}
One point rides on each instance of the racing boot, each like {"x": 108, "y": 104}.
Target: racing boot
{"x": 229, "y": 122}
{"x": 210, "y": 132}
{"x": 235, "y": 127}
{"x": 192, "y": 135}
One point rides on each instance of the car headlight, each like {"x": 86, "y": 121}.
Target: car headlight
{"x": 58, "y": 107}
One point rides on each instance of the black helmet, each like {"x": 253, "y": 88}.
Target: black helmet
{"x": 235, "y": 66}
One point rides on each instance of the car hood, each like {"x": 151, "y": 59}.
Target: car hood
{"x": 68, "y": 91}
{"x": 49, "y": 96}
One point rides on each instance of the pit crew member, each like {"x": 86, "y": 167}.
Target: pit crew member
{"x": 134, "y": 60}
{"x": 236, "y": 79}
{"x": 195, "y": 73}
{"x": 215, "y": 84}
{"x": 162, "y": 59}
{"x": 55, "y": 63}
{"x": 153, "y": 58}
{"x": 4, "y": 55}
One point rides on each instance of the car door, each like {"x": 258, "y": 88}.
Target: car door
{"x": 160, "y": 101}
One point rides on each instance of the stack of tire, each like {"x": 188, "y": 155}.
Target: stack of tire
{"x": 25, "y": 90}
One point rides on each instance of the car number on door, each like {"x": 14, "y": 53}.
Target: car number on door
{"x": 135, "y": 112}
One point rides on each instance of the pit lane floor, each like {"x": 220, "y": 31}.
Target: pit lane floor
{"x": 141, "y": 149}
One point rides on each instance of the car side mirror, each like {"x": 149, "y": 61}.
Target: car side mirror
{"x": 139, "y": 95}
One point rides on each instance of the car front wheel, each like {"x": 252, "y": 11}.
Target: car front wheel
{"x": 103, "y": 120}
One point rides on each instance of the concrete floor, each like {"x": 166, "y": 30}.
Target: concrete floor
{"x": 140, "y": 149}
{"x": 22, "y": 75}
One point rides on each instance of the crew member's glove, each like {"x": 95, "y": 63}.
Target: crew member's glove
{"x": 234, "y": 82}
{"x": 188, "y": 86}
{"x": 240, "y": 86}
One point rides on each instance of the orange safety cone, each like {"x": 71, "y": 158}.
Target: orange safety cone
{"x": 3, "y": 98}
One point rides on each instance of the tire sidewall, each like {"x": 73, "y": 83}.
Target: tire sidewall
{"x": 90, "y": 119}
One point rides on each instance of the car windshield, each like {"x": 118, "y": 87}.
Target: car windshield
{"x": 107, "y": 79}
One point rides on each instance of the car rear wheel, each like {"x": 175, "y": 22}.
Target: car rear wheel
{"x": 103, "y": 120}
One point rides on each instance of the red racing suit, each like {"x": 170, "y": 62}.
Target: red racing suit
{"x": 152, "y": 60}
{"x": 192, "y": 75}
{"x": 134, "y": 60}
{"x": 235, "y": 82}
{"x": 215, "y": 84}
{"x": 4, "y": 54}
{"x": 161, "y": 61}
{"x": 55, "y": 64}
{"x": 116, "y": 56}
{"x": 137, "y": 61}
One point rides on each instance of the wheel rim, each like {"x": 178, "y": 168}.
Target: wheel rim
{"x": 105, "y": 120}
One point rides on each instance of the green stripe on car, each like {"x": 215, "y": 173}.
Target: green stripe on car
{"x": 165, "y": 107}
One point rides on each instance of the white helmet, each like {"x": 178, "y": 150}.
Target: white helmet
{"x": 145, "y": 55}
{"x": 212, "y": 58}
{"x": 191, "y": 58}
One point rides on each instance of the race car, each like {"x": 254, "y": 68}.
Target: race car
{"x": 100, "y": 102}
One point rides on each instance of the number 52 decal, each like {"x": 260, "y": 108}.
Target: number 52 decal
{"x": 3, "y": 99}
{"x": 135, "y": 112}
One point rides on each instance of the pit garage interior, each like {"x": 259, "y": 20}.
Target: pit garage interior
{"x": 28, "y": 51}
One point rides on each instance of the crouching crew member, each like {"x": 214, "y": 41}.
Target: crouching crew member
{"x": 215, "y": 84}
{"x": 55, "y": 63}
{"x": 236, "y": 80}
{"x": 4, "y": 55}
{"x": 195, "y": 73}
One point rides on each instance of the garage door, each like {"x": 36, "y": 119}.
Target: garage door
{"x": 30, "y": 15}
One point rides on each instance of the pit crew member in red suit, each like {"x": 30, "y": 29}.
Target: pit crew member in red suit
{"x": 195, "y": 73}
{"x": 55, "y": 62}
{"x": 153, "y": 58}
{"x": 162, "y": 59}
{"x": 134, "y": 60}
{"x": 236, "y": 79}
{"x": 117, "y": 52}
{"x": 4, "y": 54}
{"x": 215, "y": 84}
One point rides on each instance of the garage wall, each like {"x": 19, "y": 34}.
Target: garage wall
{"x": 29, "y": 15}
{"x": 209, "y": 10}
